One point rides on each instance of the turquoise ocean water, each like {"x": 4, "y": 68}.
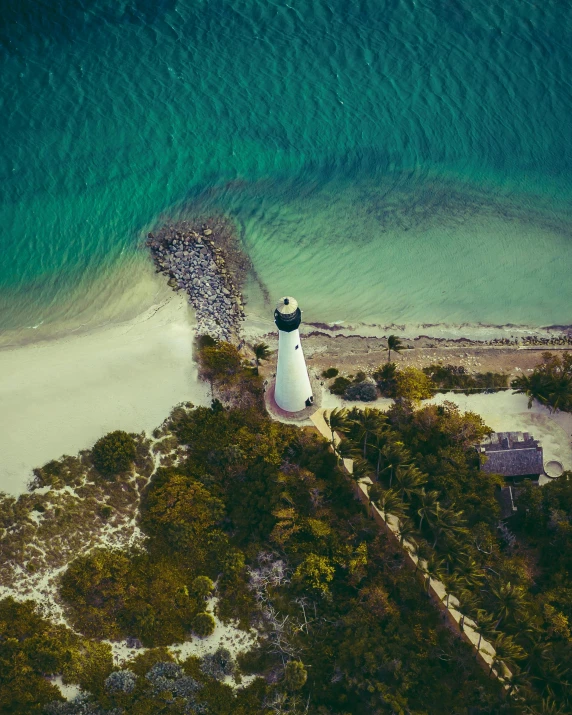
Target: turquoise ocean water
{"x": 399, "y": 161}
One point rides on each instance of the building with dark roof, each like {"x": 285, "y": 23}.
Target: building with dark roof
{"x": 514, "y": 455}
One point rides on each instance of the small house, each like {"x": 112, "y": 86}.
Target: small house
{"x": 513, "y": 455}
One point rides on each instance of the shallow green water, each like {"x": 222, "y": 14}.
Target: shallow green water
{"x": 405, "y": 161}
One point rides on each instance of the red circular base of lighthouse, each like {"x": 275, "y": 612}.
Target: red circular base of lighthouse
{"x": 303, "y": 415}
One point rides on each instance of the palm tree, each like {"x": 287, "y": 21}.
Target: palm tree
{"x": 554, "y": 675}
{"x": 374, "y": 494}
{"x": 446, "y": 523}
{"x": 452, "y": 550}
{"x": 367, "y": 421}
{"x": 453, "y": 583}
{"x": 509, "y": 600}
{"x": 393, "y": 343}
{"x": 433, "y": 569}
{"x": 521, "y": 682}
{"x": 466, "y": 606}
{"x": 484, "y": 625}
{"x": 406, "y": 530}
{"x": 347, "y": 450}
{"x": 423, "y": 552}
{"x": 506, "y": 651}
{"x": 394, "y": 455}
{"x": 261, "y": 352}
{"x": 534, "y": 386}
{"x": 390, "y": 503}
{"x": 471, "y": 572}
{"x": 360, "y": 467}
{"x": 428, "y": 501}
{"x": 385, "y": 378}
{"x": 337, "y": 421}
{"x": 537, "y": 650}
{"x": 560, "y": 394}
{"x": 380, "y": 442}
{"x": 549, "y": 706}
{"x": 409, "y": 480}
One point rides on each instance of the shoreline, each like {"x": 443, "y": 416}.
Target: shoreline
{"x": 60, "y": 393}
{"x": 255, "y": 326}
{"x": 424, "y": 334}
{"x": 60, "y": 396}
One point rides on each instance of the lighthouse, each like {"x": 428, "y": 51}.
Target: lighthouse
{"x": 293, "y": 391}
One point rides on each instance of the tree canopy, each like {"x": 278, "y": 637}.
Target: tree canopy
{"x": 254, "y": 523}
{"x": 114, "y": 453}
{"x": 550, "y": 382}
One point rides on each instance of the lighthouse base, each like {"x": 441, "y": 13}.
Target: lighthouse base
{"x": 299, "y": 417}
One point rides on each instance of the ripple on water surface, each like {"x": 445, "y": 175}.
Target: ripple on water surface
{"x": 399, "y": 164}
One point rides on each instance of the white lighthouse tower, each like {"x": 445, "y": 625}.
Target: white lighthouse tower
{"x": 293, "y": 391}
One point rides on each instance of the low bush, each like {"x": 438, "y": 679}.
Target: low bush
{"x": 295, "y": 675}
{"x": 203, "y": 625}
{"x": 330, "y": 372}
{"x": 338, "y": 387}
{"x": 114, "y": 453}
{"x": 218, "y": 664}
{"x": 116, "y": 594}
{"x": 202, "y": 587}
{"x": 121, "y": 681}
{"x": 456, "y": 377}
{"x": 363, "y": 391}
{"x": 105, "y": 512}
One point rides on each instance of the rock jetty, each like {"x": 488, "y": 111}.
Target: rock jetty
{"x": 197, "y": 258}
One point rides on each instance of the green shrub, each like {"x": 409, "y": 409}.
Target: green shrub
{"x": 220, "y": 362}
{"x": 456, "y": 377}
{"x": 203, "y": 625}
{"x": 202, "y": 587}
{"x": 385, "y": 378}
{"x": 105, "y": 512}
{"x": 412, "y": 385}
{"x": 114, "y": 453}
{"x": 115, "y": 594}
{"x": 295, "y": 675}
{"x": 364, "y": 391}
{"x": 339, "y": 385}
{"x": 330, "y": 372}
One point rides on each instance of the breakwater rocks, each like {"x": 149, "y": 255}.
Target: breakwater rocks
{"x": 199, "y": 259}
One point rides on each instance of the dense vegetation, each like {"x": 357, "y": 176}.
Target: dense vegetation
{"x": 550, "y": 383}
{"x": 543, "y": 526}
{"x": 253, "y": 521}
{"x": 456, "y": 377}
{"x": 411, "y": 384}
{"x": 263, "y": 510}
{"x": 514, "y": 586}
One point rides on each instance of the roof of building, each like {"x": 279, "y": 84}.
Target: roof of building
{"x": 512, "y": 454}
{"x": 287, "y": 305}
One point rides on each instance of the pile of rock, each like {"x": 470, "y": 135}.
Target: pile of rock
{"x": 557, "y": 340}
{"x": 189, "y": 255}
{"x": 563, "y": 339}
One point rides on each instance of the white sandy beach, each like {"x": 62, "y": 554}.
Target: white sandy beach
{"x": 59, "y": 397}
